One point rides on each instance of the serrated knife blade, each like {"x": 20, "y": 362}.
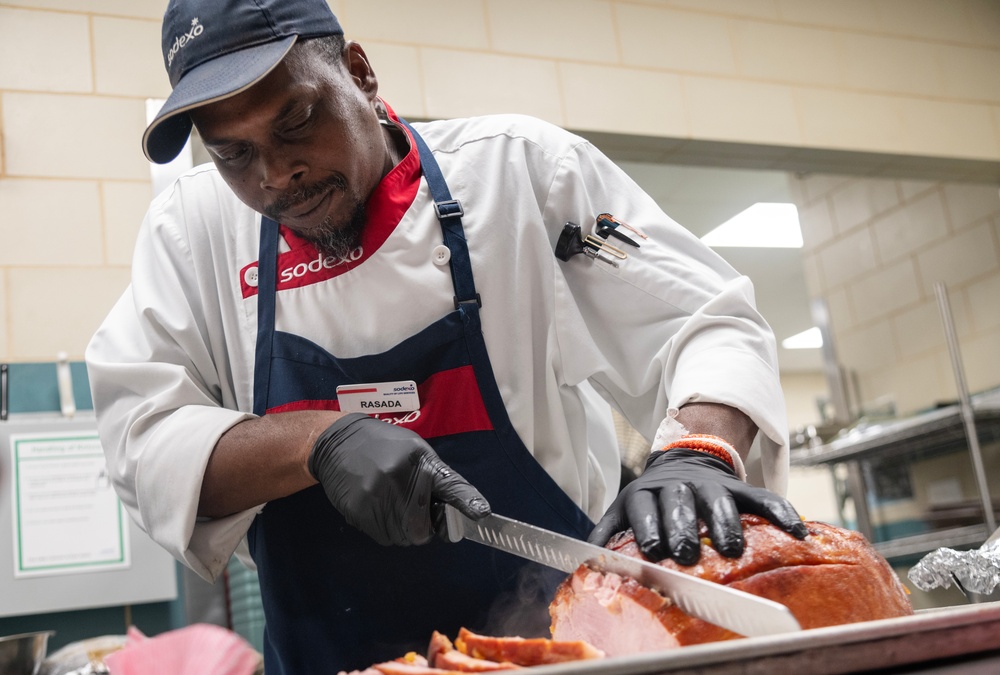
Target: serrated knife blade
{"x": 729, "y": 608}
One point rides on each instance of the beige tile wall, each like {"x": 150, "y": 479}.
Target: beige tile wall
{"x": 914, "y": 77}
{"x": 878, "y": 248}
{"x": 802, "y": 391}
{"x": 4, "y": 314}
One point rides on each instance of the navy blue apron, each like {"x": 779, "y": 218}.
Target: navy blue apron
{"x": 334, "y": 599}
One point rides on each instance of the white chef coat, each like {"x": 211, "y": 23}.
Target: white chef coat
{"x": 171, "y": 368}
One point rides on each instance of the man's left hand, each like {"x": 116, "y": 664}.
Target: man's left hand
{"x": 679, "y": 486}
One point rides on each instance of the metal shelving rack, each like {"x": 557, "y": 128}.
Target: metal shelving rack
{"x": 973, "y": 420}
{"x": 930, "y": 432}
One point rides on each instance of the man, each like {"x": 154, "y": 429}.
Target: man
{"x": 396, "y": 330}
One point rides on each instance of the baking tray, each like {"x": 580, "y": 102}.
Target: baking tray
{"x": 927, "y": 636}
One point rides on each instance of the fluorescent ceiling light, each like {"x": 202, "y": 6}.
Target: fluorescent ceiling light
{"x": 765, "y": 224}
{"x": 807, "y": 339}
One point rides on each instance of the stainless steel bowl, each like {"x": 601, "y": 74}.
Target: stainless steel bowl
{"x": 23, "y": 654}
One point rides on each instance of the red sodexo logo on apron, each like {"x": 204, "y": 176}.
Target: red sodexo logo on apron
{"x": 450, "y": 404}
{"x": 302, "y": 267}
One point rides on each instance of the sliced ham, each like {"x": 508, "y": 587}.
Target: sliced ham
{"x": 524, "y": 651}
{"x": 832, "y": 577}
{"x": 398, "y": 668}
{"x": 473, "y": 653}
{"x": 411, "y": 664}
{"x": 442, "y": 654}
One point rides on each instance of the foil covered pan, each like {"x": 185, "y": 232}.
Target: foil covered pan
{"x": 975, "y": 571}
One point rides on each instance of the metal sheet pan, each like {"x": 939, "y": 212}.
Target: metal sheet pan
{"x": 927, "y": 636}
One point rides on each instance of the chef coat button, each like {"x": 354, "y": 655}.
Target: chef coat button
{"x": 441, "y": 255}
{"x": 250, "y": 276}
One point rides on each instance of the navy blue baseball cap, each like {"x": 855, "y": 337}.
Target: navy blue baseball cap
{"x": 214, "y": 49}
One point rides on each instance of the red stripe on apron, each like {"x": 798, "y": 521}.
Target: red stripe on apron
{"x": 450, "y": 403}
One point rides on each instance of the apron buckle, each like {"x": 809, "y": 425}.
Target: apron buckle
{"x": 478, "y": 300}
{"x": 449, "y": 209}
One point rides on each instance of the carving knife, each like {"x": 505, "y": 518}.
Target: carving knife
{"x": 735, "y": 610}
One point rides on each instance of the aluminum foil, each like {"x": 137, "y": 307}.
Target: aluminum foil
{"x": 82, "y": 658}
{"x": 976, "y": 571}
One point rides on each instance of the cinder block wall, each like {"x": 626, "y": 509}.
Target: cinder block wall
{"x": 912, "y": 77}
{"x": 874, "y": 249}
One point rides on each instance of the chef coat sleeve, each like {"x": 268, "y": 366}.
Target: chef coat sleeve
{"x": 673, "y": 324}
{"x": 159, "y": 382}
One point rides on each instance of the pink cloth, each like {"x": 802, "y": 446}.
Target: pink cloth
{"x": 200, "y": 649}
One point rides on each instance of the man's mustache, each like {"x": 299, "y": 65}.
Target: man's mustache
{"x": 283, "y": 203}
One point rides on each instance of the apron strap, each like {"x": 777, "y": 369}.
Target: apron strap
{"x": 449, "y": 213}
{"x": 267, "y": 274}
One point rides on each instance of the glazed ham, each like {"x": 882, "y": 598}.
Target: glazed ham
{"x": 473, "y": 653}
{"x": 833, "y": 576}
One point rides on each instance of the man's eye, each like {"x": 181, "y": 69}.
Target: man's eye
{"x": 298, "y": 126}
{"x": 233, "y": 155}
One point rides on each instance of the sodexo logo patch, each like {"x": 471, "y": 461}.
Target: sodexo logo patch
{"x": 301, "y": 267}
{"x": 181, "y": 40}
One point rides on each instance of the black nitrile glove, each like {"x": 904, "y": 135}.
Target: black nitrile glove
{"x": 679, "y": 486}
{"x": 382, "y": 478}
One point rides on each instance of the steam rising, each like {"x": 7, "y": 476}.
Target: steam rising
{"x": 524, "y": 612}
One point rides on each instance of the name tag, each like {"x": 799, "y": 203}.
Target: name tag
{"x": 379, "y": 397}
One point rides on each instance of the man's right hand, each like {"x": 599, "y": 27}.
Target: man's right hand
{"x": 383, "y": 477}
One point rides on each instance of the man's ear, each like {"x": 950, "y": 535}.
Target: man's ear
{"x": 360, "y": 69}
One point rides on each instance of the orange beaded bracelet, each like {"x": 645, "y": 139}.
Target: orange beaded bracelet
{"x": 712, "y": 445}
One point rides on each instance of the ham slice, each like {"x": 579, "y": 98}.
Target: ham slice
{"x": 411, "y": 664}
{"x": 442, "y": 654}
{"x": 832, "y": 577}
{"x": 473, "y": 653}
{"x": 524, "y": 651}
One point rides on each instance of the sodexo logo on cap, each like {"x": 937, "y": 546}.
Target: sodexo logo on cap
{"x": 181, "y": 40}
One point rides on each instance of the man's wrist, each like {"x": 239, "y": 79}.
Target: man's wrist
{"x": 719, "y": 420}
{"x": 715, "y": 446}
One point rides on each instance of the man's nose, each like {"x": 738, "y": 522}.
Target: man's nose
{"x": 280, "y": 172}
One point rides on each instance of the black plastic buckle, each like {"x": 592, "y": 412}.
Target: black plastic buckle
{"x": 449, "y": 209}
{"x": 478, "y": 300}
{"x": 570, "y": 242}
